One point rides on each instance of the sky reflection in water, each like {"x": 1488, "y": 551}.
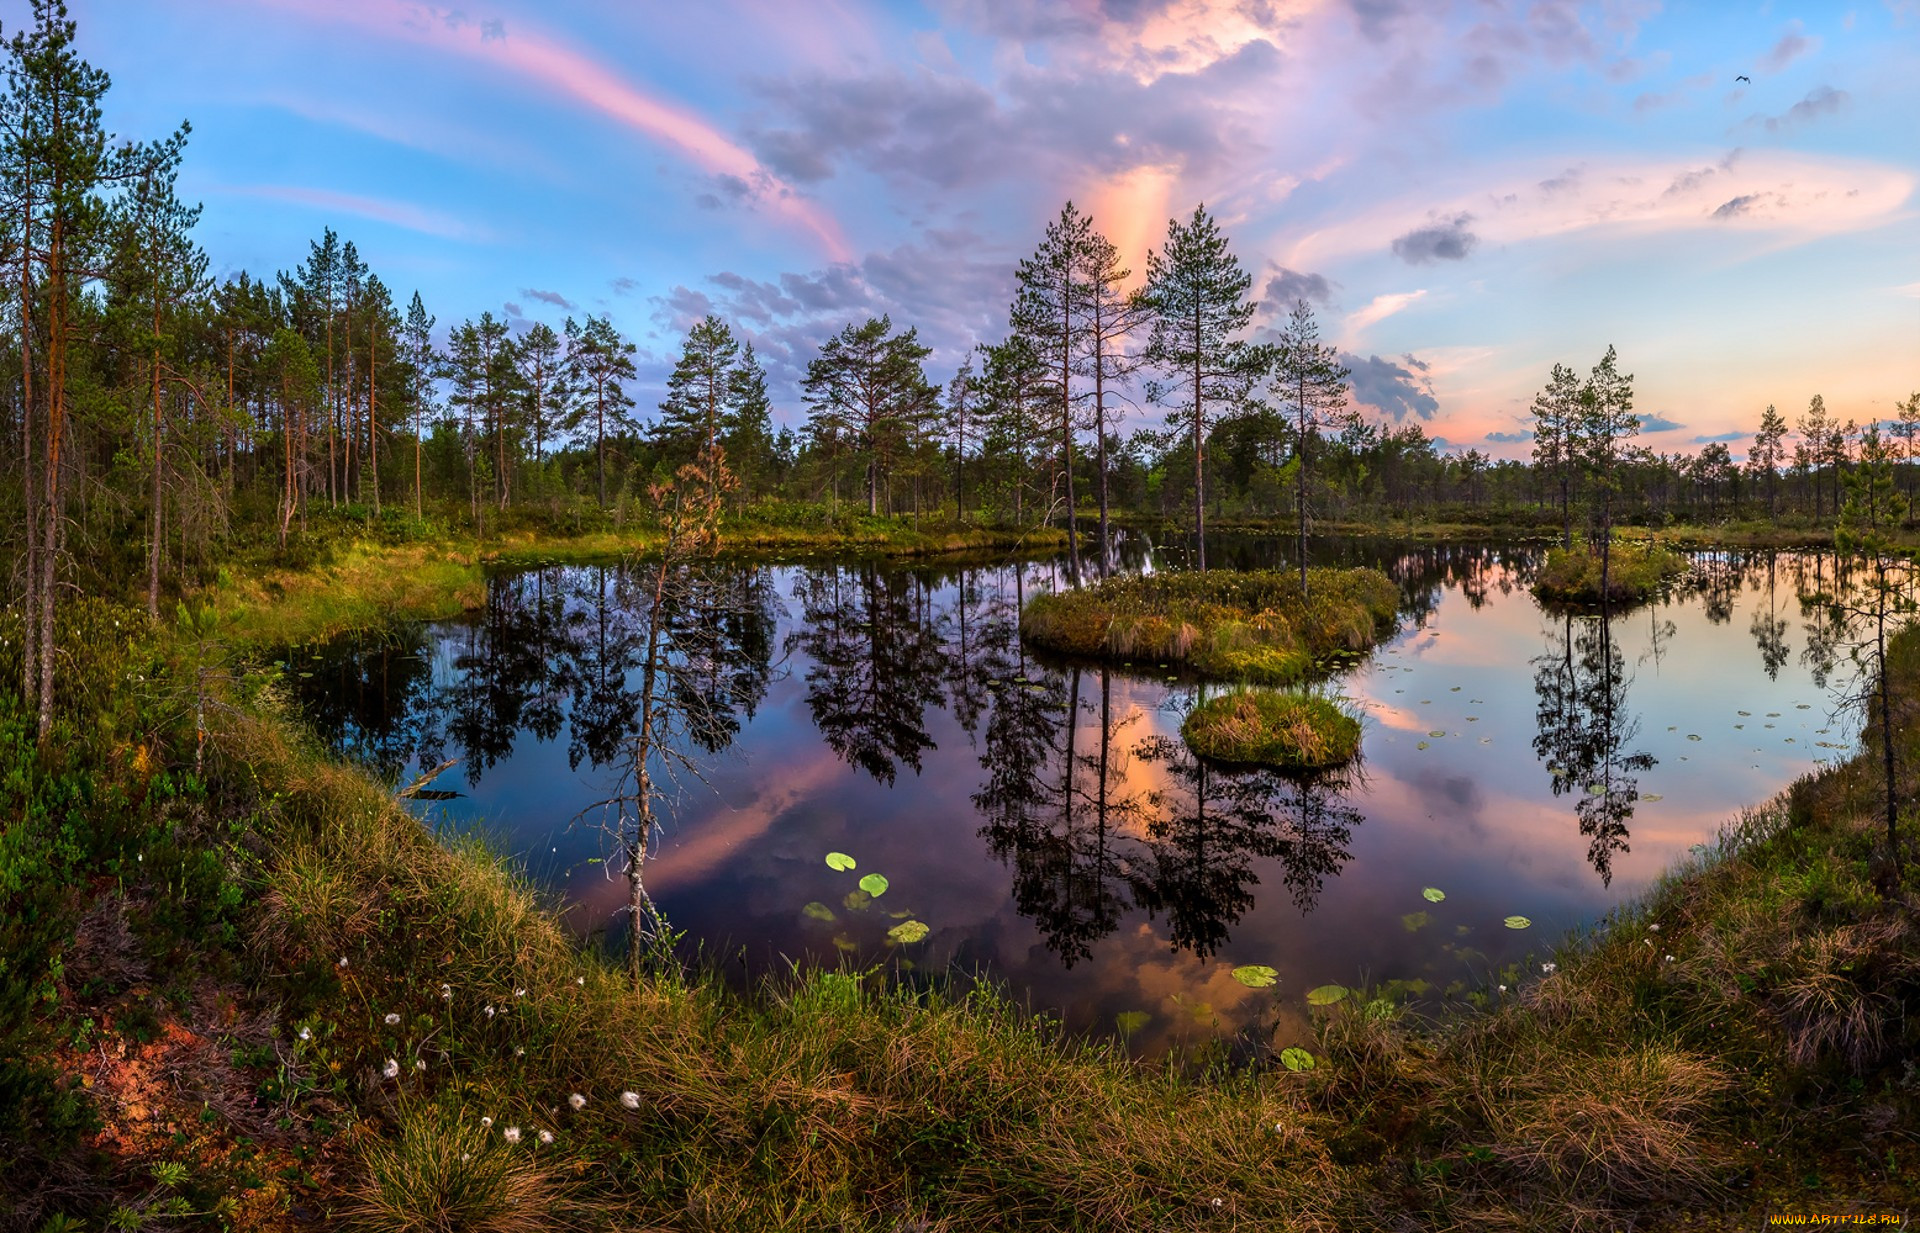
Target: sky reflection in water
{"x": 889, "y": 711}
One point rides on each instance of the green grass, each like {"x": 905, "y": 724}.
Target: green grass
{"x": 1232, "y": 625}
{"x": 1734, "y": 1042}
{"x": 1637, "y": 569}
{"x": 1289, "y": 730}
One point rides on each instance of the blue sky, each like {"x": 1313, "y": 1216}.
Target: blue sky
{"x": 1468, "y": 193}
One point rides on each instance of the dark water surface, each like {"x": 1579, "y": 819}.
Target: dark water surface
{"x": 1045, "y": 820}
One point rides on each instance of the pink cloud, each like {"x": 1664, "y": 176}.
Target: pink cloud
{"x": 562, "y": 70}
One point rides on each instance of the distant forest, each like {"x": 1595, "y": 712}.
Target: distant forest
{"x": 154, "y": 416}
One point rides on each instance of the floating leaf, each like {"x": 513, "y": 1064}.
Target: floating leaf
{"x": 874, "y": 885}
{"x": 818, "y": 911}
{"x": 844, "y": 943}
{"x": 1743, "y": 713}
{"x": 1296, "y": 1058}
{"x": 857, "y": 900}
{"x": 1693, "y": 736}
{"x": 1434, "y": 894}
{"x": 1326, "y": 995}
{"x": 1653, "y": 796}
{"x": 1437, "y": 732}
{"x": 1131, "y": 1021}
{"x": 839, "y": 862}
{"x": 902, "y": 914}
{"x": 1255, "y": 975}
{"x": 1517, "y": 922}
{"x": 908, "y": 931}
{"x": 1413, "y": 922}
{"x": 1421, "y": 745}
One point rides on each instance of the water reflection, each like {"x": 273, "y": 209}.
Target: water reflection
{"x": 1042, "y": 814}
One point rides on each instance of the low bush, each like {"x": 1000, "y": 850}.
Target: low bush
{"x": 1288, "y": 730}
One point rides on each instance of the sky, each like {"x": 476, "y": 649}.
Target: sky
{"x": 1466, "y": 193}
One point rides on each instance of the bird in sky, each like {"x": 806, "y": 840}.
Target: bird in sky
{"x": 1744, "y": 78}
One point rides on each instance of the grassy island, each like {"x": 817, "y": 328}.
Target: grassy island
{"x": 1250, "y": 626}
{"x": 1288, "y": 730}
{"x": 1636, "y": 571}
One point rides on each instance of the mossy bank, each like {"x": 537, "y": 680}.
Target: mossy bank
{"x": 1263, "y": 727}
{"x": 1255, "y": 626}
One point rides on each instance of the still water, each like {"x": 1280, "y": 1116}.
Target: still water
{"x": 1043, "y": 817}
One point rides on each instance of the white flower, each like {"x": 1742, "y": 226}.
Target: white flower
{"x": 306, "y": 1034}
{"x": 391, "y": 1070}
{"x": 419, "y": 1063}
{"x": 489, "y": 1011}
{"x": 520, "y": 1051}
{"x": 446, "y": 993}
{"x": 512, "y": 1134}
{"x": 579, "y": 980}
{"x": 1216, "y": 1202}
{"x": 465, "y": 1157}
{"x": 1548, "y": 968}
{"x": 1669, "y": 958}
{"x": 1655, "y": 927}
{"x": 630, "y": 1099}
{"x": 546, "y": 1136}
{"x": 577, "y": 1101}
{"x": 343, "y": 961}
{"x": 1503, "y": 988}
{"x": 519, "y": 993}
{"x": 393, "y": 1020}
{"x": 486, "y": 1123}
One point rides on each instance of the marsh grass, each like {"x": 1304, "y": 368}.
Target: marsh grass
{"x": 1636, "y": 571}
{"x": 1251, "y": 626}
{"x": 1294, "y": 731}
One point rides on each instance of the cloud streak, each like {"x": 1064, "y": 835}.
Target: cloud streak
{"x": 395, "y": 213}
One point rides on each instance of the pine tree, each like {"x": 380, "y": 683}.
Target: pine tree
{"x": 1309, "y": 378}
{"x": 1015, "y": 387}
{"x": 1815, "y": 429}
{"x": 1606, "y": 423}
{"x": 599, "y": 361}
{"x": 1556, "y": 438}
{"x": 1197, "y": 292}
{"x": 697, "y": 411}
{"x": 382, "y": 351}
{"x": 539, "y": 355}
{"x": 423, "y": 368}
{"x": 1047, "y": 309}
{"x": 1768, "y": 453}
{"x": 748, "y": 440}
{"x": 867, "y": 389}
{"x": 962, "y": 425}
{"x": 1112, "y": 316}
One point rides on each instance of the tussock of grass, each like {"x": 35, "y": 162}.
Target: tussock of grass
{"x": 1246, "y": 626}
{"x": 1636, "y": 570}
{"x": 1289, "y": 730}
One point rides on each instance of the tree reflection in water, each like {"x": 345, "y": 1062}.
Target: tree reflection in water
{"x": 1583, "y": 729}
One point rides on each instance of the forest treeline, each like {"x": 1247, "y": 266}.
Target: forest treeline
{"x": 158, "y": 416}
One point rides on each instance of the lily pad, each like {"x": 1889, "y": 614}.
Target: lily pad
{"x": 1421, "y": 745}
{"x": 1653, "y": 796}
{"x": 857, "y": 900}
{"x": 1255, "y": 975}
{"x": 1414, "y": 922}
{"x": 839, "y": 862}
{"x": 1296, "y": 1059}
{"x": 909, "y": 931}
{"x": 1437, "y": 732}
{"x": 818, "y": 911}
{"x": 874, "y": 884}
{"x": 1517, "y": 922}
{"x": 1131, "y": 1021}
{"x": 1326, "y": 995}
{"x": 1433, "y": 894}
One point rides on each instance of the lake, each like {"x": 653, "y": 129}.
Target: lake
{"x": 1044, "y": 819}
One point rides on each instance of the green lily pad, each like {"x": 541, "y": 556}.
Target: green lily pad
{"x": 1653, "y": 796}
{"x": 909, "y": 931}
{"x": 1437, "y": 732}
{"x": 874, "y": 885}
{"x": 1131, "y": 1021}
{"x": 1255, "y": 975}
{"x": 818, "y": 911}
{"x": 857, "y": 900}
{"x": 1413, "y": 922}
{"x": 1433, "y": 894}
{"x": 839, "y": 862}
{"x": 1296, "y": 1059}
{"x": 1421, "y": 745}
{"x": 1517, "y": 922}
{"x": 1326, "y": 995}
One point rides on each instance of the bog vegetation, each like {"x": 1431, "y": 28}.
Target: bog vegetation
{"x": 241, "y": 986}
